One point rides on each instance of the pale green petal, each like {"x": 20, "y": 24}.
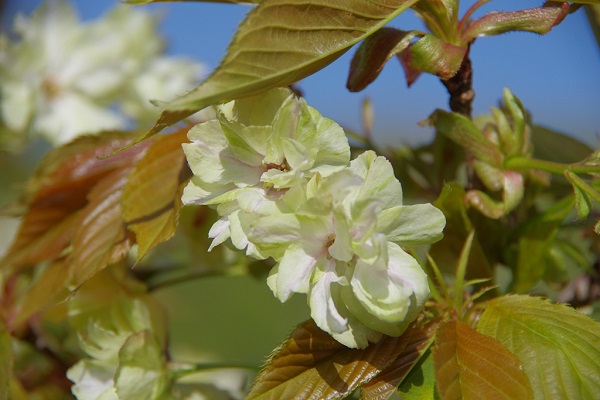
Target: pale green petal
{"x": 333, "y": 148}
{"x": 412, "y": 225}
{"x": 330, "y": 311}
{"x": 294, "y": 272}
{"x": 211, "y": 159}
{"x": 341, "y": 249}
{"x": 142, "y": 373}
{"x": 200, "y": 192}
{"x": 219, "y": 232}
{"x": 322, "y": 306}
{"x": 379, "y": 180}
{"x": 388, "y": 299}
{"x": 93, "y": 380}
{"x": 273, "y": 234}
{"x": 248, "y": 143}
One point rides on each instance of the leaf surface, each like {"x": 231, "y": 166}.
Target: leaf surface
{"x": 470, "y": 365}
{"x": 101, "y": 237}
{"x": 538, "y": 20}
{"x": 374, "y": 52}
{"x": 43, "y": 293}
{"x": 58, "y": 191}
{"x": 312, "y": 365}
{"x": 281, "y": 42}
{"x": 559, "y": 347}
{"x": 420, "y": 382}
{"x": 416, "y": 341}
{"x": 152, "y": 195}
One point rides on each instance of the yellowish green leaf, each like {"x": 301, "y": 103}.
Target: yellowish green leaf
{"x": 470, "y": 365}
{"x": 435, "y": 56}
{"x": 152, "y": 195}
{"x": 420, "y": 384}
{"x": 558, "y": 347}
{"x": 281, "y": 42}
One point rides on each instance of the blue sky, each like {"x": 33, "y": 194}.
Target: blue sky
{"x": 557, "y": 76}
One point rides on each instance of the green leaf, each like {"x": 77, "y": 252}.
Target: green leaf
{"x": 554, "y": 146}
{"x": 583, "y": 203}
{"x": 435, "y": 56}
{"x": 559, "y": 347}
{"x": 458, "y": 228}
{"x": 535, "y": 240}
{"x": 152, "y": 194}
{"x": 312, "y": 365}
{"x": 416, "y": 341}
{"x": 373, "y": 53}
{"x": 420, "y": 384}
{"x": 281, "y": 42}
{"x": 464, "y": 132}
{"x": 142, "y": 373}
{"x": 538, "y": 20}
{"x": 470, "y": 365}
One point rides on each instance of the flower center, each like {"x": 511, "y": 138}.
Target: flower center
{"x": 283, "y": 167}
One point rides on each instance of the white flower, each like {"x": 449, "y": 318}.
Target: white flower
{"x": 257, "y": 149}
{"x": 342, "y": 248}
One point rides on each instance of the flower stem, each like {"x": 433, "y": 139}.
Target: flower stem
{"x": 524, "y": 163}
{"x": 183, "y": 369}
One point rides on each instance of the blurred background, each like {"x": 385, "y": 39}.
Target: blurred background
{"x": 237, "y": 320}
{"x": 557, "y": 76}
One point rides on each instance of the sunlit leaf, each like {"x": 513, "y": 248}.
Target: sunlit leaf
{"x": 281, "y": 42}
{"x": 420, "y": 384}
{"x": 101, "y": 238}
{"x": 464, "y": 132}
{"x": 470, "y": 365}
{"x": 152, "y": 195}
{"x": 433, "y": 55}
{"x": 538, "y": 20}
{"x": 58, "y": 191}
{"x": 558, "y": 347}
{"x": 374, "y": 52}
{"x": 416, "y": 341}
{"x": 312, "y": 365}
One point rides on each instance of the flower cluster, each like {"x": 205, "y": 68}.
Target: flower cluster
{"x": 281, "y": 179}
{"x": 63, "y": 78}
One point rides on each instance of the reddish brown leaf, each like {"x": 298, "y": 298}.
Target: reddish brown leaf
{"x": 470, "y": 365}
{"x": 45, "y": 292}
{"x": 312, "y": 365}
{"x": 416, "y": 341}
{"x": 101, "y": 237}
{"x": 152, "y": 195}
{"x": 373, "y": 53}
{"x": 59, "y": 190}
